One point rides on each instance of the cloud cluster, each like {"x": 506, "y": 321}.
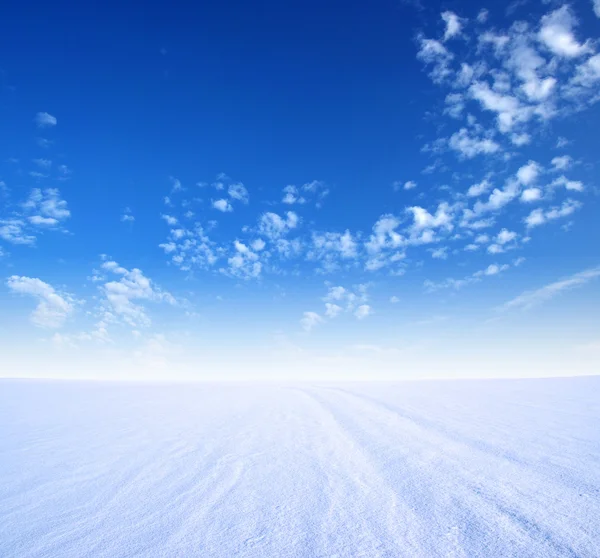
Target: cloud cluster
{"x": 43, "y": 209}
{"x": 53, "y": 308}
{"x": 340, "y": 300}
{"x": 123, "y": 295}
{"x": 523, "y": 75}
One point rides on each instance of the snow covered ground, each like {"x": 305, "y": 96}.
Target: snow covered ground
{"x": 469, "y": 468}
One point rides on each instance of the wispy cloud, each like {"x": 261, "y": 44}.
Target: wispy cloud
{"x": 536, "y": 297}
{"x": 45, "y": 120}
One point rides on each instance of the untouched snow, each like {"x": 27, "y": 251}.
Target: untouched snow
{"x": 461, "y": 469}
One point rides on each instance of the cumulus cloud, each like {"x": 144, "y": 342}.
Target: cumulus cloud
{"x": 46, "y": 207}
{"x": 562, "y": 163}
{"x": 470, "y": 146}
{"x": 123, "y": 295}
{"x": 45, "y": 120}
{"x": 340, "y": 300}
{"x": 310, "y": 320}
{"x": 540, "y": 216}
{"x": 563, "y": 181}
{"x": 291, "y": 195}
{"x": 363, "y": 311}
{"x": 440, "y": 253}
{"x": 314, "y": 191}
{"x": 437, "y": 56}
{"x": 505, "y": 236}
{"x": 332, "y": 249}
{"x": 422, "y": 219}
{"x": 556, "y": 33}
{"x": 238, "y": 192}
{"x": 480, "y": 188}
{"x": 453, "y": 24}
{"x": 53, "y": 308}
{"x": 531, "y": 195}
{"x": 332, "y": 310}
{"x": 127, "y": 216}
{"x": 273, "y": 226}
{"x": 222, "y": 205}
{"x": 245, "y": 262}
{"x": 175, "y": 184}
{"x": 528, "y": 173}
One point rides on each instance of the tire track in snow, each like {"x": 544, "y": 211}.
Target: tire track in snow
{"x": 472, "y": 493}
{"x": 352, "y": 472}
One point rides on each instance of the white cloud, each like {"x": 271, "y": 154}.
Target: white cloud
{"x": 333, "y": 249}
{"x": 470, "y": 146}
{"x": 562, "y": 163}
{"x": 440, "y": 253}
{"x": 175, "y": 184}
{"x": 453, "y": 24}
{"x": 531, "y": 194}
{"x": 482, "y": 16}
{"x": 43, "y": 163}
{"x": 435, "y": 54}
{"x": 455, "y": 104}
{"x": 422, "y": 219}
{"x": 384, "y": 235}
{"x": 363, "y": 311}
{"x": 596, "y": 5}
{"x": 508, "y": 108}
{"x": 169, "y": 219}
{"x": 505, "y": 236}
{"x": 127, "y": 217}
{"x": 332, "y": 310}
{"x": 528, "y": 173}
{"x": 573, "y": 185}
{"x": 244, "y": 263}
{"x": 52, "y": 309}
{"x": 520, "y": 139}
{"x": 132, "y": 286}
{"x": 409, "y": 185}
{"x": 168, "y": 247}
{"x": 274, "y": 226}
{"x": 44, "y": 120}
{"x": 238, "y": 192}
{"x": 340, "y": 299}
{"x": 497, "y": 199}
{"x": 533, "y": 298}
{"x": 222, "y": 205}
{"x": 492, "y": 269}
{"x": 258, "y": 245}
{"x": 316, "y": 191}
{"x": 310, "y": 320}
{"x": 394, "y": 299}
{"x": 47, "y": 204}
{"x": 588, "y": 73}
{"x": 556, "y": 33}
{"x": 481, "y": 188}
{"x": 292, "y": 195}
{"x": 13, "y": 231}
{"x": 539, "y": 216}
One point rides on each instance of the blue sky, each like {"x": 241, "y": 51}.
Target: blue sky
{"x": 300, "y": 190}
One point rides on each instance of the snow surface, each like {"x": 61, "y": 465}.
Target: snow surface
{"x": 466, "y": 468}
